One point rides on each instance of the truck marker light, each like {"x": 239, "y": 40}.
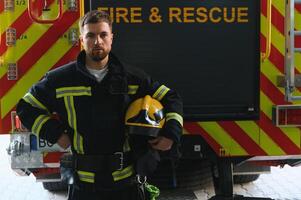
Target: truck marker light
{"x": 11, "y": 34}
{"x": 287, "y": 115}
{"x": 12, "y": 71}
{"x": 9, "y": 5}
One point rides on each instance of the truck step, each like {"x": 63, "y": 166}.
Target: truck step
{"x": 238, "y": 197}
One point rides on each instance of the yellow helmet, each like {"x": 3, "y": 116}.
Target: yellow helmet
{"x": 145, "y": 117}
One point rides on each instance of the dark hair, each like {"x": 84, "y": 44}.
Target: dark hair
{"x": 93, "y": 17}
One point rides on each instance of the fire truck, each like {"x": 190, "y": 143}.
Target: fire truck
{"x": 235, "y": 63}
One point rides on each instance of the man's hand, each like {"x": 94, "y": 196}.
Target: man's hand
{"x": 64, "y": 141}
{"x": 161, "y": 143}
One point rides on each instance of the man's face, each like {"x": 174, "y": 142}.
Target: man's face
{"x": 97, "y": 40}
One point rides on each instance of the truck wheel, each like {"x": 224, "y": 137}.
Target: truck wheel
{"x": 245, "y": 178}
{"x": 55, "y": 186}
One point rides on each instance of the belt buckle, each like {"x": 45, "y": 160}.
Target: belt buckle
{"x": 121, "y": 157}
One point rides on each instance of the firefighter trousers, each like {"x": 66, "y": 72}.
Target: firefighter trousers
{"x": 126, "y": 193}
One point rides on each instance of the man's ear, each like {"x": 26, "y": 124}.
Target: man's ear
{"x": 81, "y": 39}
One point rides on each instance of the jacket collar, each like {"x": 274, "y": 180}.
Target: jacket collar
{"x": 116, "y": 74}
{"x": 115, "y": 66}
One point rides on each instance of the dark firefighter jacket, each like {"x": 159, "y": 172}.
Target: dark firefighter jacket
{"x": 92, "y": 113}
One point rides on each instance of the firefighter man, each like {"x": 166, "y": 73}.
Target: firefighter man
{"x": 90, "y": 97}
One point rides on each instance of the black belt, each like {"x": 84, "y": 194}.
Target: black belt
{"x": 116, "y": 186}
{"x": 96, "y": 163}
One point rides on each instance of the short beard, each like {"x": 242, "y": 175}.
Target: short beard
{"x": 96, "y": 58}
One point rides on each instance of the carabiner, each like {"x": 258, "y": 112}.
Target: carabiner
{"x": 141, "y": 179}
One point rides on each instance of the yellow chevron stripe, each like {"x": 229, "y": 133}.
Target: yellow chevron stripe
{"x": 34, "y": 74}
{"x": 278, "y": 39}
{"x": 250, "y": 128}
{"x": 266, "y": 106}
{"x": 260, "y": 137}
{"x": 33, "y": 33}
{"x": 223, "y": 138}
{"x": 271, "y": 72}
{"x": 280, "y": 6}
{"x": 269, "y": 145}
{"x": 12, "y": 55}
{"x": 8, "y": 17}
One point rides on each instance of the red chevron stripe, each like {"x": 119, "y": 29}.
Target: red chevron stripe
{"x": 21, "y": 25}
{"x": 40, "y": 48}
{"x": 242, "y": 138}
{"x": 194, "y": 129}
{"x": 1, "y": 6}
{"x": 69, "y": 56}
{"x": 269, "y": 89}
{"x": 277, "y": 135}
{"x": 298, "y": 7}
{"x": 275, "y": 57}
{"x": 277, "y": 18}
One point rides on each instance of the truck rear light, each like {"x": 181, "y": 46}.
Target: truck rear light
{"x": 16, "y": 124}
{"x": 287, "y": 115}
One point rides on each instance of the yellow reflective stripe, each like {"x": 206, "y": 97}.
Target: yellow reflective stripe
{"x": 86, "y": 176}
{"x": 77, "y": 139}
{"x": 174, "y": 116}
{"x": 126, "y": 145}
{"x": 142, "y": 124}
{"x": 29, "y": 98}
{"x": 132, "y": 89}
{"x": 38, "y": 123}
{"x": 160, "y": 93}
{"x": 73, "y": 91}
{"x": 122, "y": 174}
